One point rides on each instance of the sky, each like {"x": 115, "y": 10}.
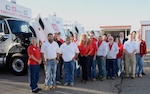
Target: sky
{"x": 93, "y": 13}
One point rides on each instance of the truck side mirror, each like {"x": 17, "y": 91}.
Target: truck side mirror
{"x": 1, "y": 27}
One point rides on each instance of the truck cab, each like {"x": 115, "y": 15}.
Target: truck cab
{"x": 14, "y": 36}
{"x": 14, "y": 40}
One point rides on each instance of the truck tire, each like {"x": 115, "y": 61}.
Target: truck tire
{"x": 18, "y": 64}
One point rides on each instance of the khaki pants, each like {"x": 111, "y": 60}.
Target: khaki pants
{"x": 130, "y": 63}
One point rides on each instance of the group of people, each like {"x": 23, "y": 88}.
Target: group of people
{"x": 105, "y": 51}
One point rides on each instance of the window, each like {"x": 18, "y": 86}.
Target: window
{"x": 41, "y": 23}
{"x": 18, "y": 26}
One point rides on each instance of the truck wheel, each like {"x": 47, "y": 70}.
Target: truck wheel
{"x": 18, "y": 65}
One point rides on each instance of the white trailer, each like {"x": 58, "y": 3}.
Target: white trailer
{"x": 43, "y": 26}
{"x": 14, "y": 36}
{"x": 74, "y": 27}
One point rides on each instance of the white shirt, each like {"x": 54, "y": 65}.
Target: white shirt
{"x": 102, "y": 49}
{"x": 68, "y": 51}
{"x": 50, "y": 50}
{"x": 138, "y": 47}
{"x": 113, "y": 52}
{"x": 130, "y": 46}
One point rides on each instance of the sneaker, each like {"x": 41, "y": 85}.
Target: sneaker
{"x": 39, "y": 89}
{"x": 47, "y": 88}
{"x": 50, "y": 87}
{"x": 113, "y": 78}
{"x": 94, "y": 79}
{"x": 65, "y": 84}
{"x": 143, "y": 73}
{"x": 136, "y": 75}
{"x": 58, "y": 82}
{"x": 140, "y": 75}
{"x": 36, "y": 91}
{"x": 119, "y": 73}
{"x": 55, "y": 87}
{"x": 104, "y": 78}
{"x": 133, "y": 77}
{"x": 108, "y": 77}
{"x": 71, "y": 84}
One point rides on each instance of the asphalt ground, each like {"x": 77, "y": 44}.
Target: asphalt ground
{"x": 11, "y": 84}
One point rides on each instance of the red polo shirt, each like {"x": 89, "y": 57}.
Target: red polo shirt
{"x": 94, "y": 40}
{"x": 92, "y": 48}
{"x": 35, "y": 51}
{"x": 83, "y": 49}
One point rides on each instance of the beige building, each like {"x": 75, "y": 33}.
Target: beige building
{"x": 115, "y": 30}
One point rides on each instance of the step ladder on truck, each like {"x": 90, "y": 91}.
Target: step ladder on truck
{"x": 14, "y": 36}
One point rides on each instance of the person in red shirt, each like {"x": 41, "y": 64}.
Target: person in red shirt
{"x": 34, "y": 60}
{"x": 92, "y": 58}
{"x": 76, "y": 41}
{"x": 119, "y": 56}
{"x": 83, "y": 49}
{"x": 141, "y": 51}
{"x": 92, "y": 34}
{"x": 60, "y": 41}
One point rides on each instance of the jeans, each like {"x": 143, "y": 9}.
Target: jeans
{"x": 119, "y": 64}
{"x": 101, "y": 62}
{"x": 59, "y": 70}
{"x": 111, "y": 67}
{"x": 91, "y": 67}
{"x": 50, "y": 72}
{"x": 69, "y": 72}
{"x": 139, "y": 64}
{"x": 33, "y": 71}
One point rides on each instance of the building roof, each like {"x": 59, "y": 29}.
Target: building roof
{"x": 116, "y": 27}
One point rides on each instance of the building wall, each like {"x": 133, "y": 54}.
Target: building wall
{"x": 146, "y": 34}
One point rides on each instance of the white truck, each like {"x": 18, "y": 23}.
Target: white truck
{"x": 74, "y": 27}
{"x": 44, "y": 25}
{"x": 14, "y": 36}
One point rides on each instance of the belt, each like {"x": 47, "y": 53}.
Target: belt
{"x": 100, "y": 56}
{"x": 51, "y": 59}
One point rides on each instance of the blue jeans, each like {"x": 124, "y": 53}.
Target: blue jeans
{"x": 33, "y": 71}
{"x": 101, "y": 62}
{"x": 59, "y": 70}
{"x": 91, "y": 67}
{"x": 119, "y": 64}
{"x": 50, "y": 72}
{"x": 139, "y": 64}
{"x": 69, "y": 72}
{"x": 111, "y": 67}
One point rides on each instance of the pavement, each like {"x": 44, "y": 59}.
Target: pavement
{"x": 11, "y": 84}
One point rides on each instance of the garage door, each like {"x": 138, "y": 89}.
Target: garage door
{"x": 147, "y": 38}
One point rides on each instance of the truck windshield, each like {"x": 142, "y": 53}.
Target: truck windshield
{"x": 18, "y": 26}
